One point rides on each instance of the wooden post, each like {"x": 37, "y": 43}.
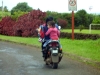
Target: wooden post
{"x": 72, "y": 25}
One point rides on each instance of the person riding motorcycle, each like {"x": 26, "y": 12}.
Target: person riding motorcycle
{"x": 44, "y": 29}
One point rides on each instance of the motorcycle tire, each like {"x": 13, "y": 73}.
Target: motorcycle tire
{"x": 55, "y": 65}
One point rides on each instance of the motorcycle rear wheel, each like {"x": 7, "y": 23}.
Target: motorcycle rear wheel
{"x": 46, "y": 63}
{"x": 55, "y": 65}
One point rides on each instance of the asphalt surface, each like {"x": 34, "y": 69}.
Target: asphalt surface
{"x": 17, "y": 59}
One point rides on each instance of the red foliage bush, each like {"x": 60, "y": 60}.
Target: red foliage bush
{"x": 6, "y": 25}
{"x": 62, "y": 23}
{"x": 25, "y": 25}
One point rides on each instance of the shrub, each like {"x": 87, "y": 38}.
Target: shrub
{"x": 16, "y": 15}
{"x": 24, "y": 26}
{"x": 81, "y": 27}
{"x": 80, "y": 36}
{"x": 6, "y": 25}
{"x": 62, "y": 23}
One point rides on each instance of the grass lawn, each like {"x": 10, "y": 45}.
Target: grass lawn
{"x": 85, "y": 48}
{"x": 86, "y": 31}
{"x": 89, "y": 49}
{"x": 28, "y": 41}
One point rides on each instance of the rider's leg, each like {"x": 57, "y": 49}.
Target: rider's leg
{"x": 45, "y": 44}
{"x": 43, "y": 49}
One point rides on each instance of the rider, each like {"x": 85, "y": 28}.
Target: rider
{"x": 44, "y": 28}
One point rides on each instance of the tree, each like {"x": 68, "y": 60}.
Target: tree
{"x": 5, "y": 9}
{"x": 96, "y": 20}
{"x": 21, "y": 7}
{"x": 81, "y": 27}
{"x": 0, "y": 8}
{"x": 90, "y": 18}
{"x": 81, "y": 18}
{"x": 54, "y": 14}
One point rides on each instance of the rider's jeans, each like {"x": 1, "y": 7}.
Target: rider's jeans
{"x": 44, "y": 45}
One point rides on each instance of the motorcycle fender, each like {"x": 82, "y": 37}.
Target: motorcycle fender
{"x": 55, "y": 58}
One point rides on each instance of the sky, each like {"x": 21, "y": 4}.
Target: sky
{"x": 60, "y": 6}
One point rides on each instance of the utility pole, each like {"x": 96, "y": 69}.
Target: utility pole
{"x": 2, "y": 8}
{"x": 2, "y": 5}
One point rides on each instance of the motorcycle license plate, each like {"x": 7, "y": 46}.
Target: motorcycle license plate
{"x": 55, "y": 51}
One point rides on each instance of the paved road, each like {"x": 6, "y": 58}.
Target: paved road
{"x": 18, "y": 59}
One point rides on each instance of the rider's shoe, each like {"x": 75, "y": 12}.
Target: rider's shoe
{"x": 44, "y": 58}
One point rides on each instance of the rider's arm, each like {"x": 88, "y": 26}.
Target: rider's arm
{"x": 48, "y": 32}
{"x": 58, "y": 32}
{"x": 56, "y": 25}
{"x": 38, "y": 29}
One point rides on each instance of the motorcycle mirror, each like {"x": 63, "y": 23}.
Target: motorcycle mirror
{"x": 59, "y": 27}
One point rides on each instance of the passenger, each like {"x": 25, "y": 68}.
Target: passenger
{"x": 53, "y": 32}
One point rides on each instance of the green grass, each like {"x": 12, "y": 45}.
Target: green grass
{"x": 84, "y": 48}
{"x": 28, "y": 41}
{"x": 86, "y": 31}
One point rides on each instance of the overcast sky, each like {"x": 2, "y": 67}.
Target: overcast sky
{"x": 56, "y": 5}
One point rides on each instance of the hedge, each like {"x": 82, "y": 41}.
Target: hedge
{"x": 79, "y": 36}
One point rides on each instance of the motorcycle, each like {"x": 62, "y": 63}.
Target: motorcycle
{"x": 53, "y": 53}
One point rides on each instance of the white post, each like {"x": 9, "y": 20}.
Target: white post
{"x": 90, "y": 28}
{"x": 2, "y": 5}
